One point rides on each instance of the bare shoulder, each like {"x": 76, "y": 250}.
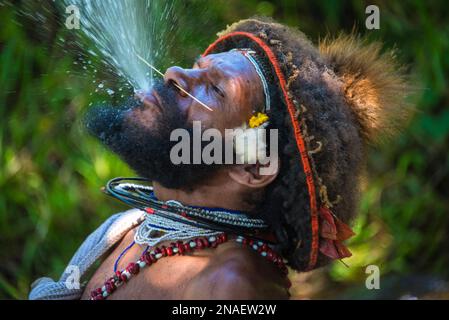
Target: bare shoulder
{"x": 238, "y": 273}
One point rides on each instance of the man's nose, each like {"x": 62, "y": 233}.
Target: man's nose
{"x": 180, "y": 78}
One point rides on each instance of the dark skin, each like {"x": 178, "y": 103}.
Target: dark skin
{"x": 229, "y": 84}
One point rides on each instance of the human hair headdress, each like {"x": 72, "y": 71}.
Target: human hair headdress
{"x": 321, "y": 92}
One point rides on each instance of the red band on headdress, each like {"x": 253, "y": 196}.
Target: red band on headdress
{"x": 297, "y": 132}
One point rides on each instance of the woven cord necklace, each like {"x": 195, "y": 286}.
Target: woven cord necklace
{"x": 188, "y": 228}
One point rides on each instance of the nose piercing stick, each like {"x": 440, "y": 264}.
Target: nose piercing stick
{"x": 174, "y": 83}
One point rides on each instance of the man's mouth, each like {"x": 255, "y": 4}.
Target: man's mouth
{"x": 151, "y": 100}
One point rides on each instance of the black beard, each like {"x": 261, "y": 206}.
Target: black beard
{"x": 147, "y": 150}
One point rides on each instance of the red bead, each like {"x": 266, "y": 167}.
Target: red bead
{"x": 219, "y": 239}
{"x": 164, "y": 251}
{"x": 224, "y": 237}
{"x": 206, "y": 244}
{"x": 118, "y": 273}
{"x": 180, "y": 248}
{"x": 123, "y": 278}
{"x": 109, "y": 288}
{"x": 99, "y": 297}
{"x": 111, "y": 282}
{"x": 149, "y": 210}
{"x": 157, "y": 250}
{"x": 187, "y": 247}
{"x": 199, "y": 243}
{"x": 169, "y": 251}
{"x": 147, "y": 259}
{"x": 133, "y": 268}
{"x": 245, "y": 242}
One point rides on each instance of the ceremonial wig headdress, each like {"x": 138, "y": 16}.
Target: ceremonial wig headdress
{"x": 328, "y": 103}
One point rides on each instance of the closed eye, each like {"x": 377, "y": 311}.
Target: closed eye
{"x": 218, "y": 90}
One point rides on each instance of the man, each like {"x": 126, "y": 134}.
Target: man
{"x": 327, "y": 104}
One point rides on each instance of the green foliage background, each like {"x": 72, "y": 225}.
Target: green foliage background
{"x": 51, "y": 171}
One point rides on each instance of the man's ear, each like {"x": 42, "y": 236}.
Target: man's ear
{"x": 253, "y": 175}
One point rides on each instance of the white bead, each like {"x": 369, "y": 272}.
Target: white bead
{"x": 263, "y": 253}
{"x": 105, "y": 294}
{"x": 212, "y": 239}
{"x": 142, "y": 264}
{"x": 255, "y": 246}
{"x": 159, "y": 255}
{"x": 175, "y": 250}
{"x": 192, "y": 244}
{"x": 103, "y": 288}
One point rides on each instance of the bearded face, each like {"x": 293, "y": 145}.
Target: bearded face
{"x": 139, "y": 132}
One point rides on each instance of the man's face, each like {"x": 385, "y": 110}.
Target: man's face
{"x": 226, "y": 82}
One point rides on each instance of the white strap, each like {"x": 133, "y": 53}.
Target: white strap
{"x": 92, "y": 249}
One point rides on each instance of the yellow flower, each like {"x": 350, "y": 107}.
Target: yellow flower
{"x": 257, "y": 120}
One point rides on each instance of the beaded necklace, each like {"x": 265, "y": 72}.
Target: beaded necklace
{"x": 150, "y": 257}
{"x": 221, "y": 220}
{"x": 199, "y": 227}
